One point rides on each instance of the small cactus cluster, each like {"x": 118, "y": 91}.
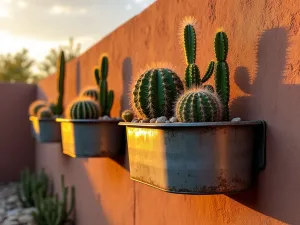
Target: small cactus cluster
{"x": 192, "y": 73}
{"x": 91, "y": 92}
{"x": 30, "y": 184}
{"x": 36, "y": 106}
{"x": 83, "y": 108}
{"x": 106, "y": 97}
{"x": 52, "y": 210}
{"x": 155, "y": 93}
{"x": 45, "y": 113}
{"x": 41, "y": 109}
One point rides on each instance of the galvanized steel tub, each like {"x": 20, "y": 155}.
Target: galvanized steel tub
{"x": 196, "y": 158}
{"x": 45, "y": 130}
{"x": 92, "y": 138}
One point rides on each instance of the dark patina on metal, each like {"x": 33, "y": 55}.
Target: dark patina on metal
{"x": 197, "y": 158}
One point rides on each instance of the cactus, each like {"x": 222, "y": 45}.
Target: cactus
{"x": 61, "y": 79}
{"x": 35, "y": 106}
{"x": 30, "y": 184}
{"x": 127, "y": 115}
{"x": 106, "y": 98}
{"x": 83, "y": 108}
{"x": 90, "y": 92}
{"x": 199, "y": 105}
{"x": 155, "y": 93}
{"x": 192, "y": 72}
{"x": 54, "y": 211}
{"x": 44, "y": 113}
{"x": 222, "y": 72}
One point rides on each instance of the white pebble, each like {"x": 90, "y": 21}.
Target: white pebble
{"x": 161, "y": 119}
{"x": 153, "y": 120}
{"x": 236, "y": 119}
{"x": 173, "y": 119}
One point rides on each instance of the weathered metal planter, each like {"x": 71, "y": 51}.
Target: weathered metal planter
{"x": 45, "y": 130}
{"x": 92, "y": 138}
{"x": 196, "y": 158}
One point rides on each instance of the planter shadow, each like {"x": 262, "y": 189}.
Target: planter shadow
{"x": 45, "y": 130}
{"x": 92, "y": 138}
{"x": 196, "y": 158}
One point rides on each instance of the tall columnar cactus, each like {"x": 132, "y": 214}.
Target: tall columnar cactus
{"x": 222, "y": 72}
{"x": 199, "y": 105}
{"x": 90, "y": 92}
{"x": 44, "y": 113}
{"x": 155, "y": 93}
{"x": 192, "y": 72}
{"x": 54, "y": 211}
{"x": 35, "y": 106}
{"x": 106, "y": 98}
{"x": 83, "y": 108}
{"x": 61, "y": 79}
{"x": 31, "y": 184}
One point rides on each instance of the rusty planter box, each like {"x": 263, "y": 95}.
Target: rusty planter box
{"x": 196, "y": 158}
{"x": 45, "y": 130}
{"x": 92, "y": 138}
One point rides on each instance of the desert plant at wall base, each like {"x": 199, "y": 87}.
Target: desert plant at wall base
{"x": 106, "y": 97}
{"x": 83, "y": 108}
{"x": 155, "y": 92}
{"x": 30, "y": 184}
{"x": 222, "y": 72}
{"x": 189, "y": 40}
{"x": 55, "y": 211}
{"x": 199, "y": 105}
{"x": 35, "y": 106}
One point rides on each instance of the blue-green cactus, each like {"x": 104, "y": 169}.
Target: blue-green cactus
{"x": 83, "y": 108}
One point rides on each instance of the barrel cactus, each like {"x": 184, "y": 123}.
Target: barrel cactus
{"x": 222, "y": 72}
{"x": 35, "y": 106}
{"x": 83, "y": 108}
{"x": 127, "y": 115}
{"x": 91, "y": 92}
{"x": 45, "y": 113}
{"x": 106, "y": 97}
{"x": 199, "y": 105}
{"x": 189, "y": 40}
{"x": 155, "y": 92}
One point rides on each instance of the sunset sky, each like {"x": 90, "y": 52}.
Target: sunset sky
{"x": 39, "y": 25}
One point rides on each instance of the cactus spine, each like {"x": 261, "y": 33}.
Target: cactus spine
{"x": 31, "y": 184}
{"x": 106, "y": 98}
{"x": 61, "y": 78}
{"x": 192, "y": 72}
{"x": 90, "y": 92}
{"x": 45, "y": 113}
{"x": 222, "y": 72}
{"x": 35, "y": 106}
{"x": 199, "y": 105}
{"x": 54, "y": 211}
{"x": 83, "y": 108}
{"x": 155, "y": 93}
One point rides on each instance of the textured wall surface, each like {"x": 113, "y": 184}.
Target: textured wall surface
{"x": 17, "y": 149}
{"x": 264, "y": 46}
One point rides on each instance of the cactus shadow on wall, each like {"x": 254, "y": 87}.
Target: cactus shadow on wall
{"x": 277, "y": 191}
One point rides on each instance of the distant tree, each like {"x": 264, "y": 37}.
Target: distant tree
{"x": 48, "y": 66}
{"x": 17, "y": 67}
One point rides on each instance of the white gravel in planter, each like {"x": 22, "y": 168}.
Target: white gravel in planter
{"x": 11, "y": 211}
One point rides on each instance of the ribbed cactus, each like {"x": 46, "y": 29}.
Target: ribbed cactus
{"x": 83, "y": 108}
{"x": 45, "y": 113}
{"x": 106, "y": 98}
{"x": 52, "y": 210}
{"x": 35, "y": 106}
{"x": 61, "y": 79}
{"x": 91, "y": 92}
{"x": 222, "y": 72}
{"x": 199, "y": 105}
{"x": 127, "y": 115}
{"x": 30, "y": 184}
{"x": 192, "y": 72}
{"x": 155, "y": 93}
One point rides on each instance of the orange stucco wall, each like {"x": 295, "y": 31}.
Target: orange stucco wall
{"x": 264, "y": 42}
